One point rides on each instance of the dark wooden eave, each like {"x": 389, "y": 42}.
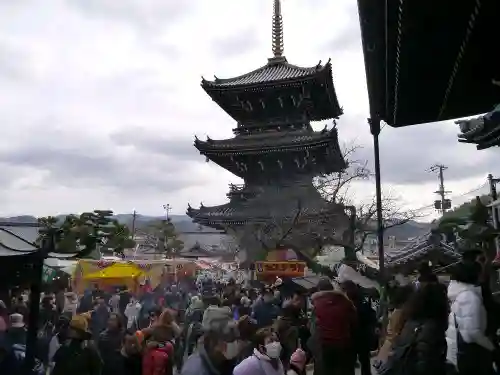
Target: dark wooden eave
{"x": 427, "y": 247}
{"x": 277, "y": 141}
{"x": 268, "y": 205}
{"x": 276, "y": 72}
{"x": 484, "y": 131}
{"x": 278, "y": 75}
{"x": 429, "y": 60}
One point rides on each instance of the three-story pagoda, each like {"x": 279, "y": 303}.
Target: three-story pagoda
{"x": 275, "y": 150}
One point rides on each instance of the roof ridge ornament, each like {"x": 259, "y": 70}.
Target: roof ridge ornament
{"x": 277, "y": 33}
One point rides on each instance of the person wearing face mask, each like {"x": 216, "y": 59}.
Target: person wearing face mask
{"x": 266, "y": 356}
{"x": 219, "y": 346}
{"x": 265, "y": 310}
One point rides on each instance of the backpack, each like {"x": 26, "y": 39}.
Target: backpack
{"x": 157, "y": 360}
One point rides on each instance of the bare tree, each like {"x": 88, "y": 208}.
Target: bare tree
{"x": 229, "y": 245}
{"x": 305, "y": 233}
{"x": 337, "y": 187}
{"x": 308, "y": 231}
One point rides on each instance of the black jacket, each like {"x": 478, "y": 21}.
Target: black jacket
{"x": 420, "y": 349}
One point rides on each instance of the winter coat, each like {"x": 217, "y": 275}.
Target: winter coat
{"x": 99, "y": 320}
{"x": 13, "y": 360}
{"x": 158, "y": 361}
{"x": 192, "y": 332}
{"x": 390, "y": 335}
{"x": 128, "y": 365}
{"x": 366, "y": 339}
{"x": 54, "y": 346}
{"x": 114, "y": 303}
{"x": 468, "y": 312}
{"x": 265, "y": 313}
{"x": 85, "y": 302}
{"x": 201, "y": 364}
{"x": 288, "y": 335}
{"x": 425, "y": 345}
{"x": 258, "y": 364}
{"x": 16, "y": 335}
{"x": 109, "y": 346}
{"x": 336, "y": 318}
{"x": 77, "y": 358}
{"x": 132, "y": 313}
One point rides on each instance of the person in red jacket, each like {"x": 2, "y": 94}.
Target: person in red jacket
{"x": 157, "y": 359}
{"x": 335, "y": 326}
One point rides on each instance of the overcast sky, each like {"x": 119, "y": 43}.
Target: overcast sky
{"x": 100, "y": 101}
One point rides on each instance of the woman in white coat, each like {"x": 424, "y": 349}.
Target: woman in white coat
{"x": 132, "y": 313}
{"x": 469, "y": 349}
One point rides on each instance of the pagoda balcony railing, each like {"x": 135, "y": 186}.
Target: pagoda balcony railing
{"x": 236, "y": 188}
{"x": 240, "y": 191}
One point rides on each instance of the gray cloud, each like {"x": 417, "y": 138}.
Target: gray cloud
{"x": 408, "y": 153}
{"x": 13, "y": 63}
{"x": 77, "y": 160}
{"x": 238, "y": 44}
{"x": 145, "y": 14}
{"x": 68, "y": 98}
{"x": 346, "y": 40}
{"x": 178, "y": 148}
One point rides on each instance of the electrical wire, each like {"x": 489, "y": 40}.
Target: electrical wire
{"x": 453, "y": 197}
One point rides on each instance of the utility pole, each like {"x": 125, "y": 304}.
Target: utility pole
{"x": 167, "y": 207}
{"x": 493, "y": 186}
{"x": 442, "y": 204}
{"x": 494, "y": 207}
{"x": 134, "y": 217}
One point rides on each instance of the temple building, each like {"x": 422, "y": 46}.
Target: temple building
{"x": 275, "y": 151}
{"x": 483, "y": 130}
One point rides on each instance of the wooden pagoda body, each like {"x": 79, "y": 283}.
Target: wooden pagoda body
{"x": 275, "y": 150}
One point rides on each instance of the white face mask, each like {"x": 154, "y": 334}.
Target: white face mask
{"x": 232, "y": 350}
{"x": 273, "y": 349}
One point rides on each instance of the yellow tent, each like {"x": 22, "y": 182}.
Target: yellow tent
{"x": 116, "y": 271}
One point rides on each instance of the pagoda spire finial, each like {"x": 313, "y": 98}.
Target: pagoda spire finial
{"x": 277, "y": 30}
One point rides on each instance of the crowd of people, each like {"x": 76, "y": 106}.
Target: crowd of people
{"x": 433, "y": 328}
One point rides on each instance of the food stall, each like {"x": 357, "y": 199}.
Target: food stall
{"x": 111, "y": 273}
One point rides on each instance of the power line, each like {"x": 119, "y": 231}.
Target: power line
{"x": 454, "y": 197}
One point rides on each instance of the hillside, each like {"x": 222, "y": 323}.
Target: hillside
{"x": 184, "y": 224}
{"x": 408, "y": 230}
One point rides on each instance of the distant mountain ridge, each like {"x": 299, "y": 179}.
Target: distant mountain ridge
{"x": 184, "y": 224}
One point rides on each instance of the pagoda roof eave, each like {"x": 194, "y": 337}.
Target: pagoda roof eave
{"x": 427, "y": 245}
{"x": 275, "y": 72}
{"x": 295, "y": 141}
{"x": 265, "y": 78}
{"x": 483, "y": 130}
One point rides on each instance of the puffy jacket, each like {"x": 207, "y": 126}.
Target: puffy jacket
{"x": 158, "y": 361}
{"x": 265, "y": 313}
{"x": 470, "y": 315}
{"x": 428, "y": 349}
{"x": 336, "y": 318}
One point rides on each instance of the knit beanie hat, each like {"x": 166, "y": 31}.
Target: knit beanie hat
{"x": 298, "y": 359}
{"x": 219, "y": 320}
